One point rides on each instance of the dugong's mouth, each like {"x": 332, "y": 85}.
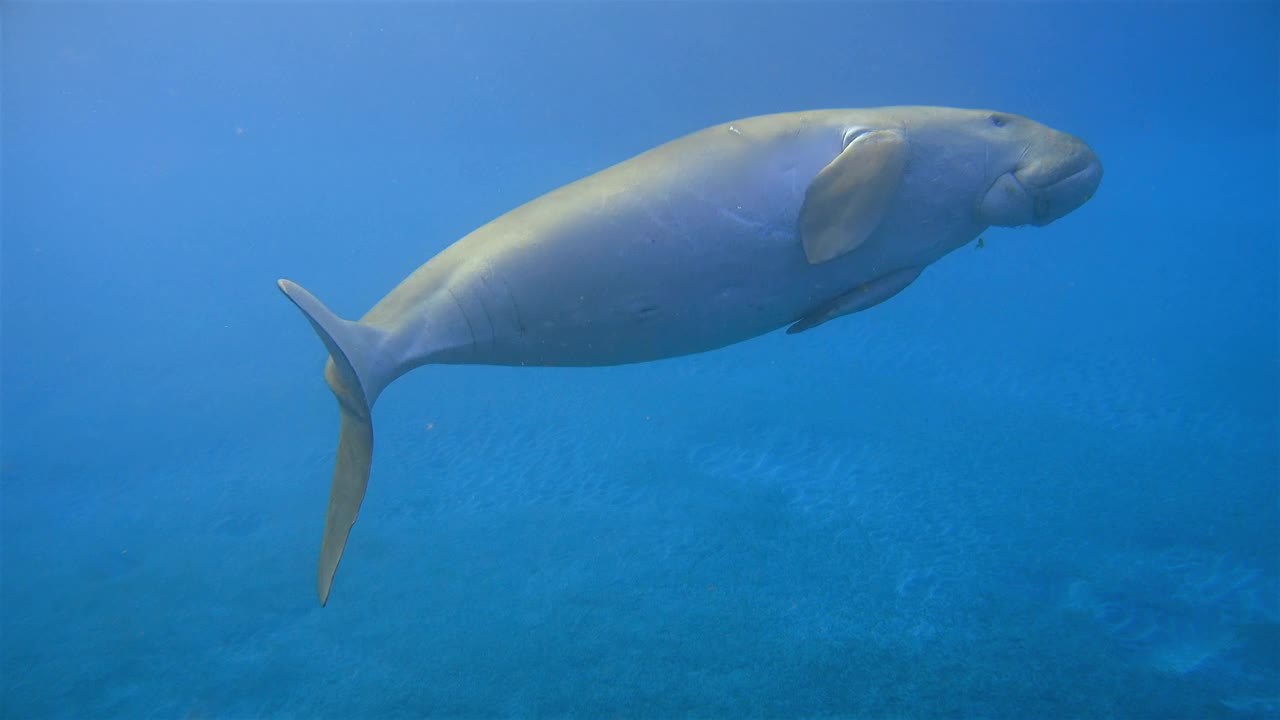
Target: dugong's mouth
{"x": 1038, "y": 193}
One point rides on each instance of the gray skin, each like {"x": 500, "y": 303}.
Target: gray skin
{"x": 706, "y": 241}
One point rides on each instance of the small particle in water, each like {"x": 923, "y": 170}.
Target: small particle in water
{"x": 734, "y": 130}
{"x": 981, "y": 243}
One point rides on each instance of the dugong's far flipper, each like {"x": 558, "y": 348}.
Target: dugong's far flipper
{"x": 352, "y": 374}
{"x": 866, "y": 295}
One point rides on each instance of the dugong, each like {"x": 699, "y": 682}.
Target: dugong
{"x": 720, "y": 236}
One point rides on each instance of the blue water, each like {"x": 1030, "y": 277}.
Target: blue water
{"x": 1043, "y": 482}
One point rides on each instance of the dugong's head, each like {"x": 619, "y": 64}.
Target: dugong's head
{"x": 1053, "y": 173}
{"x": 1024, "y": 173}
{"x": 925, "y": 180}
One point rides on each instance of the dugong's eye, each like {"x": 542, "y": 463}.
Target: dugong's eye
{"x": 999, "y": 120}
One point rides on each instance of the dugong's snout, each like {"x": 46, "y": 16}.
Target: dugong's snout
{"x": 1062, "y": 181}
{"x": 1052, "y": 179}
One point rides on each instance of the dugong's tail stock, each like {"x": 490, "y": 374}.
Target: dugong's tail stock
{"x": 354, "y": 377}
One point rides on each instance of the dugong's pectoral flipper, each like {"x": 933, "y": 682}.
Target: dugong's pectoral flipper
{"x": 866, "y": 295}
{"x": 350, "y": 371}
{"x": 847, "y": 200}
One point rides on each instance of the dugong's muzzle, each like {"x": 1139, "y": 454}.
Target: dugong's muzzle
{"x": 1049, "y": 182}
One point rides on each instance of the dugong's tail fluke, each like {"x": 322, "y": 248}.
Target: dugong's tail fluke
{"x": 352, "y": 372}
